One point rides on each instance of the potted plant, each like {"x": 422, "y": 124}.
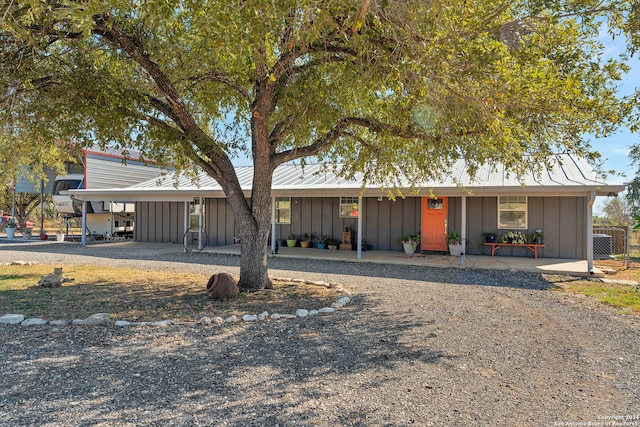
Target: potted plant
{"x": 410, "y": 242}
{"x": 489, "y": 237}
{"x": 332, "y": 244}
{"x": 60, "y": 236}
{"x": 454, "y": 241}
{"x": 306, "y": 239}
{"x": 44, "y": 235}
{"x": 292, "y": 240}
{"x": 11, "y": 228}
{"x": 26, "y": 235}
{"x": 514, "y": 238}
{"x": 537, "y": 237}
{"x": 322, "y": 241}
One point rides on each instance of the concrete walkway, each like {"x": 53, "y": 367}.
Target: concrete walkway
{"x": 525, "y": 263}
{"x": 540, "y": 265}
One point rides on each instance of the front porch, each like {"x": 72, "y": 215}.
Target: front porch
{"x": 528, "y": 264}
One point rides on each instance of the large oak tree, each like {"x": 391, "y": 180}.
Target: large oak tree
{"x": 389, "y": 88}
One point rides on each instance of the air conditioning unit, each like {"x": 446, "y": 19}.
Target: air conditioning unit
{"x": 602, "y": 246}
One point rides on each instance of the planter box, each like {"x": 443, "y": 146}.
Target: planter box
{"x": 409, "y": 248}
{"x": 455, "y": 250}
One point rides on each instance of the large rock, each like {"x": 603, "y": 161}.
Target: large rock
{"x": 12, "y": 319}
{"x": 33, "y": 321}
{"x": 97, "y": 319}
{"x": 222, "y": 286}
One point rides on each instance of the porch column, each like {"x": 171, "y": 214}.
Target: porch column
{"x": 359, "y": 243}
{"x": 590, "y": 202}
{"x": 83, "y": 231}
{"x": 111, "y": 218}
{"x": 463, "y": 229}
{"x": 186, "y": 223}
{"x": 273, "y": 225}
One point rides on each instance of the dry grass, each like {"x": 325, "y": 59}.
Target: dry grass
{"x": 619, "y": 270}
{"x": 622, "y": 296}
{"x": 137, "y": 295}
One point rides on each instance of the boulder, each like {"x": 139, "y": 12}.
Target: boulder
{"x": 12, "y": 319}
{"x": 222, "y": 286}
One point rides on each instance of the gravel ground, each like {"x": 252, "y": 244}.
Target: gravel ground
{"x": 417, "y": 346}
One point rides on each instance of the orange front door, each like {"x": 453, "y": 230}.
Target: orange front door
{"x": 434, "y": 224}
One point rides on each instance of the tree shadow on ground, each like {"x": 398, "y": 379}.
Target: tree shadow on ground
{"x": 270, "y": 373}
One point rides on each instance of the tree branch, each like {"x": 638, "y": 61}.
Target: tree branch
{"x": 220, "y": 78}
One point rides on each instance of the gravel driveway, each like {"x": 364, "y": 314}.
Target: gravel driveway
{"x": 417, "y": 346}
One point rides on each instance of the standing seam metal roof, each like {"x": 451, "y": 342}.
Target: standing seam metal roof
{"x": 567, "y": 174}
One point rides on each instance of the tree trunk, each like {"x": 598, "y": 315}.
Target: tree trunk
{"x": 254, "y": 273}
{"x": 255, "y": 226}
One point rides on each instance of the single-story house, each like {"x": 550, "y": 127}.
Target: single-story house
{"x": 312, "y": 200}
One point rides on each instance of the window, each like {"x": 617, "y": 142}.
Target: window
{"x": 283, "y": 210}
{"x": 348, "y": 207}
{"x": 512, "y": 212}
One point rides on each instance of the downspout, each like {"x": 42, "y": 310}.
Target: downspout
{"x": 463, "y": 230}
{"x": 359, "y": 243}
{"x": 590, "y": 202}
{"x": 273, "y": 225}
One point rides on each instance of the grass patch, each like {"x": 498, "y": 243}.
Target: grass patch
{"x": 619, "y": 266}
{"x": 617, "y": 295}
{"x": 138, "y": 295}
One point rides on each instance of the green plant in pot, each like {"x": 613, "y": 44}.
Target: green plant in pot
{"x": 306, "y": 240}
{"x": 454, "y": 241}
{"x": 514, "y": 238}
{"x": 332, "y": 244}
{"x": 292, "y": 240}
{"x": 410, "y": 242}
{"x": 11, "y": 228}
{"x": 537, "y": 237}
{"x": 322, "y": 241}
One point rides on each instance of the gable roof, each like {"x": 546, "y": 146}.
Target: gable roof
{"x": 569, "y": 175}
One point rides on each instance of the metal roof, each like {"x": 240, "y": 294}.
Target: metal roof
{"x": 569, "y": 175}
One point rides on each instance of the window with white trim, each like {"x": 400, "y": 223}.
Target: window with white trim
{"x": 349, "y": 207}
{"x": 512, "y": 212}
{"x": 283, "y": 210}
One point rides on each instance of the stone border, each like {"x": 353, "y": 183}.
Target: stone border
{"x": 104, "y": 319}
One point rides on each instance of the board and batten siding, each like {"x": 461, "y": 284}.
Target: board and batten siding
{"x": 384, "y": 222}
{"x": 562, "y": 219}
{"x": 159, "y": 222}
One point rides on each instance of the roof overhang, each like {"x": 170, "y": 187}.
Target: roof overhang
{"x": 132, "y": 195}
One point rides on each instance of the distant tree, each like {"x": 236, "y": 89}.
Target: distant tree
{"x": 633, "y": 186}
{"x": 617, "y": 212}
{"x": 390, "y": 89}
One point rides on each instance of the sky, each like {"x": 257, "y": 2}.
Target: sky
{"x": 615, "y": 148}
